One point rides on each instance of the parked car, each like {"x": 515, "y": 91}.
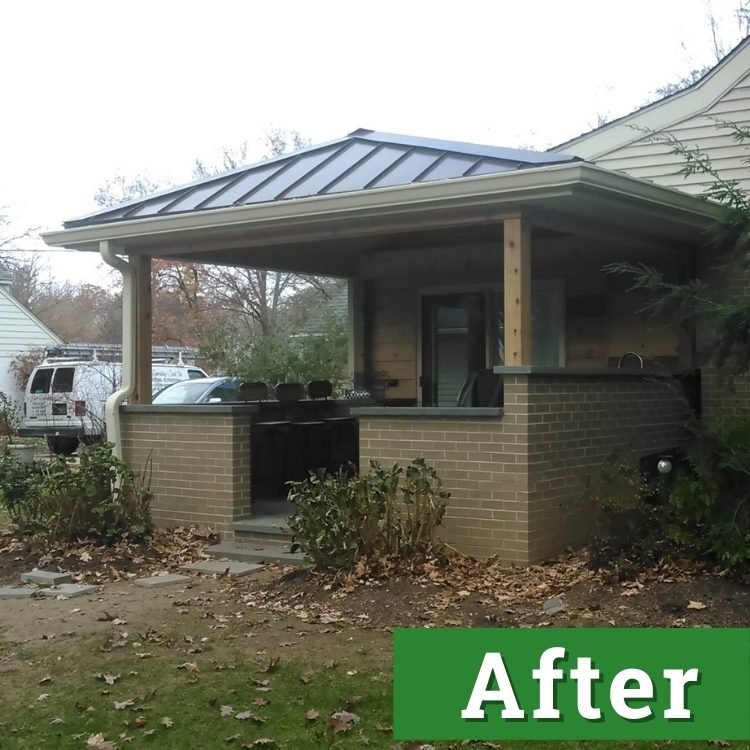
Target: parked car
{"x": 200, "y": 391}
{"x": 64, "y": 400}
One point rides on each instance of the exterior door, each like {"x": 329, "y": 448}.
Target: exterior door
{"x": 453, "y": 344}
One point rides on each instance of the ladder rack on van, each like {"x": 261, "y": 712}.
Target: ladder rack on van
{"x": 113, "y": 353}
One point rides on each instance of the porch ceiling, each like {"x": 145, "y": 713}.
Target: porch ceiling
{"x": 326, "y": 234}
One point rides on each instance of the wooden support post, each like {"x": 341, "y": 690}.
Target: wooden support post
{"x": 143, "y": 386}
{"x": 356, "y": 360}
{"x": 517, "y": 291}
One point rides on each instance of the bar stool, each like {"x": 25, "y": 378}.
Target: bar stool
{"x": 307, "y": 445}
{"x": 342, "y": 431}
{"x": 268, "y": 447}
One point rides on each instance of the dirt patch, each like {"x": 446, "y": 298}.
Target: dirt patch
{"x": 90, "y": 563}
{"x": 564, "y": 593}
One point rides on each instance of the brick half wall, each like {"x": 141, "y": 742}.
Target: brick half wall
{"x": 199, "y": 461}
{"x": 480, "y": 460}
{"x": 576, "y": 423}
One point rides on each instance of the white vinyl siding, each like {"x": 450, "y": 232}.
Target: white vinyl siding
{"x": 19, "y": 332}
{"x": 654, "y": 161}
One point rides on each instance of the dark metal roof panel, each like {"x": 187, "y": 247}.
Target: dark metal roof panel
{"x": 372, "y": 167}
{"x": 285, "y": 178}
{"x": 242, "y": 184}
{"x": 451, "y": 165}
{"x": 363, "y": 160}
{"x": 408, "y": 169}
{"x": 317, "y": 181}
{"x": 492, "y": 166}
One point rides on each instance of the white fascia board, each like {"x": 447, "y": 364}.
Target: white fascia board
{"x": 495, "y": 190}
{"x": 663, "y": 114}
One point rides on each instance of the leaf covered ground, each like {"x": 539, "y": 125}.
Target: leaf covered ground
{"x": 290, "y": 659}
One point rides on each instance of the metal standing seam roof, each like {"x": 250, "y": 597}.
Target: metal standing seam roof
{"x": 363, "y": 160}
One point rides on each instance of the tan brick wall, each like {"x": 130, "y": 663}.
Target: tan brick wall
{"x": 482, "y": 463}
{"x": 575, "y": 424}
{"x": 199, "y": 462}
{"x": 517, "y": 481}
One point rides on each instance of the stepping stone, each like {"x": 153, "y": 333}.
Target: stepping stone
{"x": 69, "y": 590}
{"x": 13, "y": 592}
{"x": 220, "y": 567}
{"x": 155, "y": 582}
{"x": 47, "y": 577}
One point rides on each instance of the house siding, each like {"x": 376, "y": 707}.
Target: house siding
{"x": 19, "y": 332}
{"x": 655, "y": 161}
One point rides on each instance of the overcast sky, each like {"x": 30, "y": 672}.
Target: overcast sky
{"x": 92, "y": 89}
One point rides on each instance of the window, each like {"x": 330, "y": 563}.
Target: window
{"x": 225, "y": 392}
{"x": 63, "y": 380}
{"x": 42, "y": 380}
{"x": 192, "y": 374}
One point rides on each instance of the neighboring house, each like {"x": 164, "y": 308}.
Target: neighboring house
{"x": 20, "y": 331}
{"x": 475, "y": 281}
{"x": 695, "y": 117}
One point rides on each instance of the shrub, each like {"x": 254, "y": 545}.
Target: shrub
{"x": 700, "y": 511}
{"x": 10, "y": 419}
{"x": 385, "y": 513}
{"x": 99, "y": 499}
{"x": 629, "y": 531}
{"x": 711, "y": 502}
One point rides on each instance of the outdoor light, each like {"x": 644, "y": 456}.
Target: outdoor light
{"x": 664, "y": 466}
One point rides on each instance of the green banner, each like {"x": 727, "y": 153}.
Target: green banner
{"x": 566, "y": 683}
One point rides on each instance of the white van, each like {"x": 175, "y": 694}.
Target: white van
{"x": 64, "y": 400}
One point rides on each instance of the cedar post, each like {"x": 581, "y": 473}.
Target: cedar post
{"x": 517, "y": 291}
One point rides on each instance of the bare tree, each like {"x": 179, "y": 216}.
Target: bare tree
{"x": 121, "y": 189}
{"x": 722, "y": 41}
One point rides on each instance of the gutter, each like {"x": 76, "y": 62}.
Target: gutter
{"x": 127, "y": 387}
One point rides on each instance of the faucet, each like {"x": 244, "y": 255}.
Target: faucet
{"x": 630, "y": 354}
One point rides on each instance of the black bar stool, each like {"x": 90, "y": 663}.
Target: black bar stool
{"x": 268, "y": 447}
{"x": 307, "y": 444}
{"x": 343, "y": 439}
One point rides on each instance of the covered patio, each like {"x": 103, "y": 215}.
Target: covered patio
{"x": 477, "y": 299}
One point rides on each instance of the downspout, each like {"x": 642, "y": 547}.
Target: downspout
{"x": 127, "y": 387}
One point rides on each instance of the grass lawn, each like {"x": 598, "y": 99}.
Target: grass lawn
{"x": 218, "y": 696}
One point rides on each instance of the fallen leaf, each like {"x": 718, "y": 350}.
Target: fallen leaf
{"x": 45, "y": 680}
{"x": 188, "y": 666}
{"x": 245, "y": 715}
{"x": 122, "y": 705}
{"x": 98, "y": 742}
{"x": 696, "y": 605}
{"x": 166, "y": 721}
{"x": 342, "y": 721}
{"x": 226, "y": 711}
{"x": 312, "y": 714}
{"x": 260, "y": 702}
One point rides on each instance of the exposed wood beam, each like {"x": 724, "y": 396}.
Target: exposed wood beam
{"x": 517, "y": 291}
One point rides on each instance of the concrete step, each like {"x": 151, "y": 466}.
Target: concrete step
{"x": 257, "y": 553}
{"x": 262, "y": 530}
